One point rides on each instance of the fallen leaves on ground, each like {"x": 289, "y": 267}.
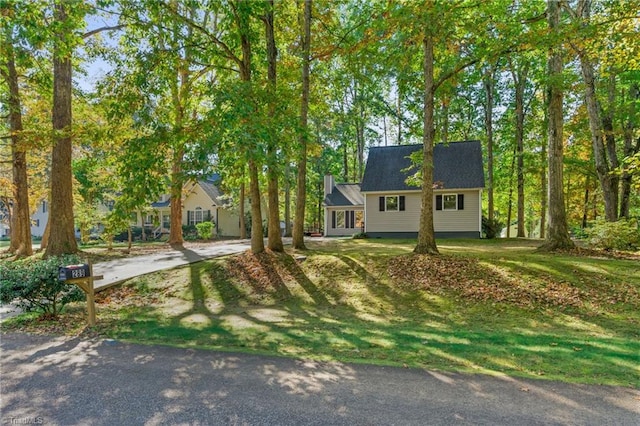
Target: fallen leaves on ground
{"x": 263, "y": 271}
{"x": 476, "y": 282}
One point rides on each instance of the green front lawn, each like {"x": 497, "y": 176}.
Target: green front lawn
{"x": 494, "y": 307}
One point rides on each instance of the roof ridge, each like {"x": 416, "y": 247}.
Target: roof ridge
{"x": 419, "y": 144}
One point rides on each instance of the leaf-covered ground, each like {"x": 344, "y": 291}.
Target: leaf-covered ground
{"x": 476, "y": 281}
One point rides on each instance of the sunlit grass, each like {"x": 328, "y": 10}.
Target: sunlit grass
{"x": 340, "y": 304}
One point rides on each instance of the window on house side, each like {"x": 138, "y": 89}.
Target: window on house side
{"x": 340, "y": 219}
{"x": 391, "y": 204}
{"x": 198, "y": 215}
{"x": 359, "y": 219}
{"x": 450, "y": 202}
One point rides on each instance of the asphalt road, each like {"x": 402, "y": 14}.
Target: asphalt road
{"x": 65, "y": 381}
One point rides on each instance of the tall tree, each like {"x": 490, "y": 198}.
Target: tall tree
{"x": 274, "y": 237}
{"x": 489, "y": 88}
{"x": 61, "y": 220}
{"x": 519, "y": 72}
{"x": 426, "y": 233}
{"x": 242, "y": 16}
{"x": 20, "y": 218}
{"x": 301, "y": 192}
{"x": 601, "y": 126}
{"x": 558, "y": 230}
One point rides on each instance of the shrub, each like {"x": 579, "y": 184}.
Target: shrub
{"x": 491, "y": 228}
{"x": 620, "y": 235}
{"x": 34, "y": 284}
{"x": 578, "y": 232}
{"x": 205, "y": 230}
{"x": 189, "y": 232}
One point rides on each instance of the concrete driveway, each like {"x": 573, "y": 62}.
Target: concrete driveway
{"x": 71, "y": 381}
{"x": 118, "y": 270}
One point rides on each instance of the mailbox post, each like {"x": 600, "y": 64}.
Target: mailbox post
{"x": 82, "y": 276}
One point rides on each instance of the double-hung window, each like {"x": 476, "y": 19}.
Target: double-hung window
{"x": 450, "y": 202}
{"x": 392, "y": 203}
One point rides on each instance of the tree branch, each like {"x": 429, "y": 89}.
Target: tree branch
{"x": 101, "y": 29}
{"x": 225, "y": 48}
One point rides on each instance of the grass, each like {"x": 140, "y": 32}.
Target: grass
{"x": 493, "y": 307}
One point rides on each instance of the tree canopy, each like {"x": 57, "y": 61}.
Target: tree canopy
{"x": 272, "y": 95}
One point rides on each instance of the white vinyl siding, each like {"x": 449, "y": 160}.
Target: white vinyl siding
{"x": 465, "y": 220}
{"x": 392, "y": 221}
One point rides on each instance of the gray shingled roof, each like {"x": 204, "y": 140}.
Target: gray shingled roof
{"x": 160, "y": 204}
{"x": 212, "y": 191}
{"x": 345, "y": 194}
{"x": 457, "y": 165}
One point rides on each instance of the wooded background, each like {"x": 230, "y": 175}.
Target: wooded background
{"x": 272, "y": 95}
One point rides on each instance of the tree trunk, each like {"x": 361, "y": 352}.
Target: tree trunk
{"x": 488, "y": 121}
{"x": 274, "y": 238}
{"x": 287, "y": 200}
{"x": 257, "y": 236}
{"x": 608, "y": 182}
{"x": 301, "y": 194}
{"x": 520, "y": 80}
{"x": 175, "y": 233}
{"x": 601, "y": 127}
{"x": 510, "y": 204}
{"x": 426, "y": 234}
{"x": 445, "y": 121}
{"x": 585, "y": 207}
{"x": 360, "y": 124}
{"x": 345, "y": 162}
{"x": 543, "y": 192}
{"x": 45, "y": 235}
{"x": 399, "y": 113}
{"x": 20, "y": 219}
{"x": 62, "y": 238}
{"x": 243, "y": 224}
{"x": 629, "y": 150}
{"x": 558, "y": 232}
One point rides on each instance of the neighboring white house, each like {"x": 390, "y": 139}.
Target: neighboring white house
{"x": 202, "y": 201}
{"x": 392, "y": 207}
{"x": 39, "y": 219}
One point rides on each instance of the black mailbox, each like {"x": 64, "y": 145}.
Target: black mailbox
{"x": 73, "y": 271}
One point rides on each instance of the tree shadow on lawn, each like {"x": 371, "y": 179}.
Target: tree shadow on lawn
{"x": 274, "y": 306}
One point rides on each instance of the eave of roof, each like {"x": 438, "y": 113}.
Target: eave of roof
{"x": 345, "y": 194}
